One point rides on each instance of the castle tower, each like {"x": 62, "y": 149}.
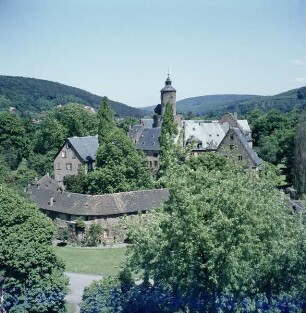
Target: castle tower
{"x": 168, "y": 94}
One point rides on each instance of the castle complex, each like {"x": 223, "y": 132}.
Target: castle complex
{"x": 228, "y": 136}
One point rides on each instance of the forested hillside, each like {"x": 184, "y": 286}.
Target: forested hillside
{"x": 216, "y": 105}
{"x": 212, "y": 104}
{"x": 32, "y": 96}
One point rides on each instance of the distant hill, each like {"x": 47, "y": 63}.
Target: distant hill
{"x": 33, "y": 96}
{"x": 215, "y": 105}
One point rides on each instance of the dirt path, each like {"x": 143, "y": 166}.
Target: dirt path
{"x": 77, "y": 284}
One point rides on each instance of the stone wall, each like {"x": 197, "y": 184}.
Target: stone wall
{"x": 68, "y": 162}
{"x": 114, "y": 228}
{"x": 232, "y": 146}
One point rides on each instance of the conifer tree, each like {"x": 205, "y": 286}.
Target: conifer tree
{"x": 106, "y": 121}
{"x": 166, "y": 140}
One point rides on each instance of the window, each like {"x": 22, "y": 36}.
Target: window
{"x": 239, "y": 157}
{"x": 58, "y": 166}
{"x": 68, "y": 145}
{"x": 155, "y": 155}
{"x": 68, "y": 166}
{"x": 89, "y": 166}
{"x": 64, "y": 155}
{"x": 155, "y": 163}
{"x": 73, "y": 155}
{"x": 151, "y": 164}
{"x": 232, "y": 147}
{"x": 232, "y": 136}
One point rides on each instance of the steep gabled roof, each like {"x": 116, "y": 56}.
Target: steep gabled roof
{"x": 149, "y": 139}
{"x": 253, "y": 155}
{"x": 86, "y": 147}
{"x": 299, "y": 206}
{"x": 244, "y": 124}
{"x": 210, "y": 133}
{"x": 47, "y": 182}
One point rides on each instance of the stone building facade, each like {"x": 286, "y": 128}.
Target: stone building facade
{"x": 204, "y": 136}
{"x": 235, "y": 144}
{"x": 77, "y": 154}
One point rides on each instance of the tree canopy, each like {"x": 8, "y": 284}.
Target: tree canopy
{"x": 300, "y": 156}
{"x": 120, "y": 167}
{"x": 226, "y": 241}
{"x": 34, "y": 280}
{"x": 106, "y": 122}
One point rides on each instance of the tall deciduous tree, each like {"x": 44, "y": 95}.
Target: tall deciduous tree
{"x": 120, "y": 167}
{"x": 166, "y": 140}
{"x": 34, "y": 280}
{"x": 13, "y": 138}
{"x": 226, "y": 241}
{"x": 106, "y": 121}
{"x": 300, "y": 156}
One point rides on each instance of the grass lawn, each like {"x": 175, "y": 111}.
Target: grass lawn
{"x": 103, "y": 262}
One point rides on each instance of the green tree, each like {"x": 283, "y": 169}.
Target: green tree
{"x": 168, "y": 123}
{"x": 77, "y": 120}
{"x": 34, "y": 275}
{"x": 93, "y": 235}
{"x": 300, "y": 156}
{"x": 168, "y": 149}
{"x": 126, "y": 123}
{"x": 224, "y": 242}
{"x": 14, "y": 141}
{"x": 106, "y": 121}
{"x": 120, "y": 167}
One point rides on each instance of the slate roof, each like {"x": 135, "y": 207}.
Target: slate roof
{"x": 98, "y": 205}
{"x": 168, "y": 86}
{"x": 210, "y": 133}
{"x": 299, "y": 206}
{"x": 149, "y": 139}
{"x": 244, "y": 125}
{"x": 47, "y": 182}
{"x": 147, "y": 122}
{"x": 135, "y": 132}
{"x": 86, "y": 147}
{"x": 256, "y": 159}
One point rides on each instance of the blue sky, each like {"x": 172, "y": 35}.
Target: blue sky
{"x": 123, "y": 48}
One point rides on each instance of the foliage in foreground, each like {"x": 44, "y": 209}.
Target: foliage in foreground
{"x": 224, "y": 242}
{"x": 300, "y": 156}
{"x": 34, "y": 280}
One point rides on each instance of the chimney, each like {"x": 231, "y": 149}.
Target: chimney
{"x": 51, "y": 201}
{"x": 235, "y": 116}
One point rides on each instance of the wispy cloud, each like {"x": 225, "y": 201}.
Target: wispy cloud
{"x": 300, "y": 79}
{"x": 298, "y": 62}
